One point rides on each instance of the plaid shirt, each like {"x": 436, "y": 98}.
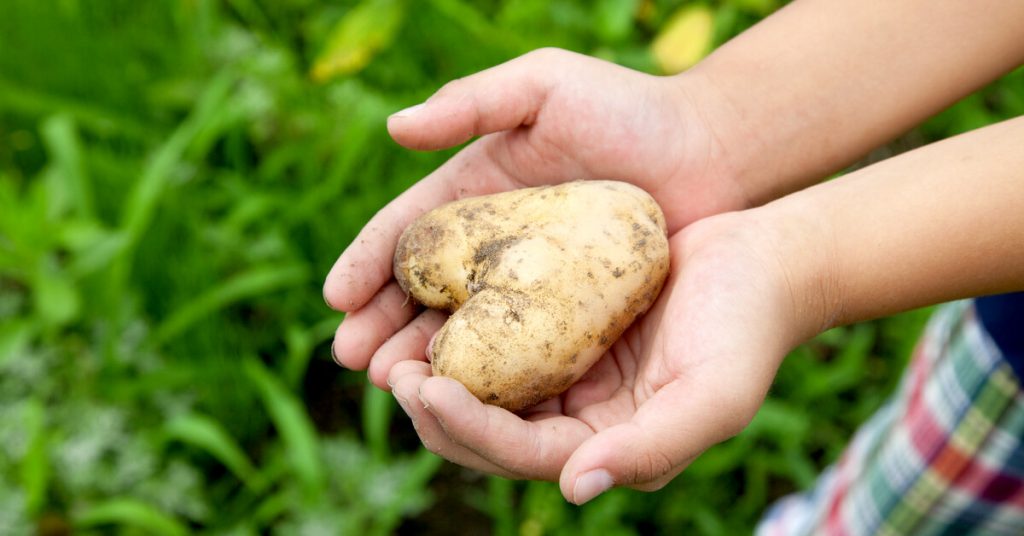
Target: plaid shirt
{"x": 945, "y": 455}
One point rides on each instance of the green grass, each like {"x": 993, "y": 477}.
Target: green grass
{"x": 173, "y": 187}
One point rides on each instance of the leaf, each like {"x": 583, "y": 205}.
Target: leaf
{"x": 604, "y": 516}
{"x": 499, "y": 505}
{"x": 781, "y": 421}
{"x": 300, "y": 347}
{"x": 722, "y": 457}
{"x": 685, "y": 39}
{"x": 55, "y": 296}
{"x": 15, "y": 336}
{"x": 65, "y": 148}
{"x": 708, "y": 521}
{"x": 246, "y": 285}
{"x": 357, "y": 37}
{"x": 208, "y": 434}
{"x": 378, "y": 407}
{"x": 272, "y": 507}
{"x": 758, "y": 7}
{"x": 100, "y": 253}
{"x": 131, "y": 513}
{"x": 799, "y": 467}
{"x": 848, "y": 368}
{"x": 542, "y": 507}
{"x": 91, "y": 115}
{"x": 79, "y": 235}
{"x": 35, "y": 466}
{"x": 293, "y": 424}
{"x": 300, "y": 343}
{"x": 418, "y": 472}
{"x": 613, "y": 19}
{"x": 141, "y": 204}
{"x": 481, "y": 29}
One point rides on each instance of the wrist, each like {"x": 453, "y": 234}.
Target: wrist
{"x": 798, "y": 236}
{"x": 786, "y": 263}
{"x": 733, "y": 141}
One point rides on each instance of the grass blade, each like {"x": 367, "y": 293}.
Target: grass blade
{"x": 293, "y": 424}
{"x": 131, "y": 513}
{"x": 35, "y": 466}
{"x": 245, "y": 285}
{"x": 500, "y": 505}
{"x": 14, "y": 97}
{"x": 378, "y": 407}
{"x": 65, "y": 150}
{"x": 207, "y": 434}
{"x": 142, "y": 200}
{"x": 420, "y": 471}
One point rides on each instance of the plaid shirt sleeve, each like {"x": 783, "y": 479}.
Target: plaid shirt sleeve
{"x": 945, "y": 455}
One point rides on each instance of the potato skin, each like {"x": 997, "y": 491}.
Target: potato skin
{"x": 539, "y": 281}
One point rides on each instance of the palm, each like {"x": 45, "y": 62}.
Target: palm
{"x": 695, "y": 368}
{"x": 691, "y": 339}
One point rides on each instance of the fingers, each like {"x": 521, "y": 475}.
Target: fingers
{"x": 366, "y": 265}
{"x": 667, "y": 432}
{"x": 529, "y": 449}
{"x": 452, "y": 423}
{"x": 405, "y": 378}
{"x": 408, "y": 344}
{"x": 500, "y": 98}
{"x": 366, "y": 329}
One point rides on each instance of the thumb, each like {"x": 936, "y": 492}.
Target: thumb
{"x": 500, "y": 98}
{"x": 665, "y": 434}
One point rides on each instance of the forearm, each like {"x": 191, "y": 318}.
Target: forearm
{"x": 935, "y": 224}
{"x": 820, "y": 83}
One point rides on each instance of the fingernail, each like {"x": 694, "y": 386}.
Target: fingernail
{"x": 426, "y": 405}
{"x": 590, "y": 485}
{"x": 408, "y": 112}
{"x": 334, "y": 356}
{"x": 404, "y": 404}
{"x": 430, "y": 348}
{"x": 324, "y": 296}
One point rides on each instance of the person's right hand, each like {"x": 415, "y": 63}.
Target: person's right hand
{"x": 547, "y": 117}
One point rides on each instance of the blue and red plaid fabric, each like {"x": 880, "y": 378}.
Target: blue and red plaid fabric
{"x": 945, "y": 455}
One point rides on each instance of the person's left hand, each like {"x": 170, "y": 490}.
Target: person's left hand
{"x": 689, "y": 374}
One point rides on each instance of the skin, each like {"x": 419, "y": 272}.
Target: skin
{"x": 540, "y": 282}
{"x": 790, "y": 101}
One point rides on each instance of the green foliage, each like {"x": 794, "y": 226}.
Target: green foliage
{"x": 176, "y": 177}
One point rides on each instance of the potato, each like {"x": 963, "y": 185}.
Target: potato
{"x": 540, "y": 282}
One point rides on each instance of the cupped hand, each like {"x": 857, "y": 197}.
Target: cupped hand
{"x": 690, "y": 373}
{"x": 547, "y": 117}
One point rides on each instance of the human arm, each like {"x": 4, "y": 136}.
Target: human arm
{"x": 820, "y": 83}
{"x": 939, "y": 223}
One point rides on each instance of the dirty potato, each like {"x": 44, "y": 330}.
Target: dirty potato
{"x": 540, "y": 282}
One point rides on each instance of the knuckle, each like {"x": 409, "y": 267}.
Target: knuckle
{"x": 650, "y": 468}
{"x": 546, "y": 54}
{"x": 450, "y": 88}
